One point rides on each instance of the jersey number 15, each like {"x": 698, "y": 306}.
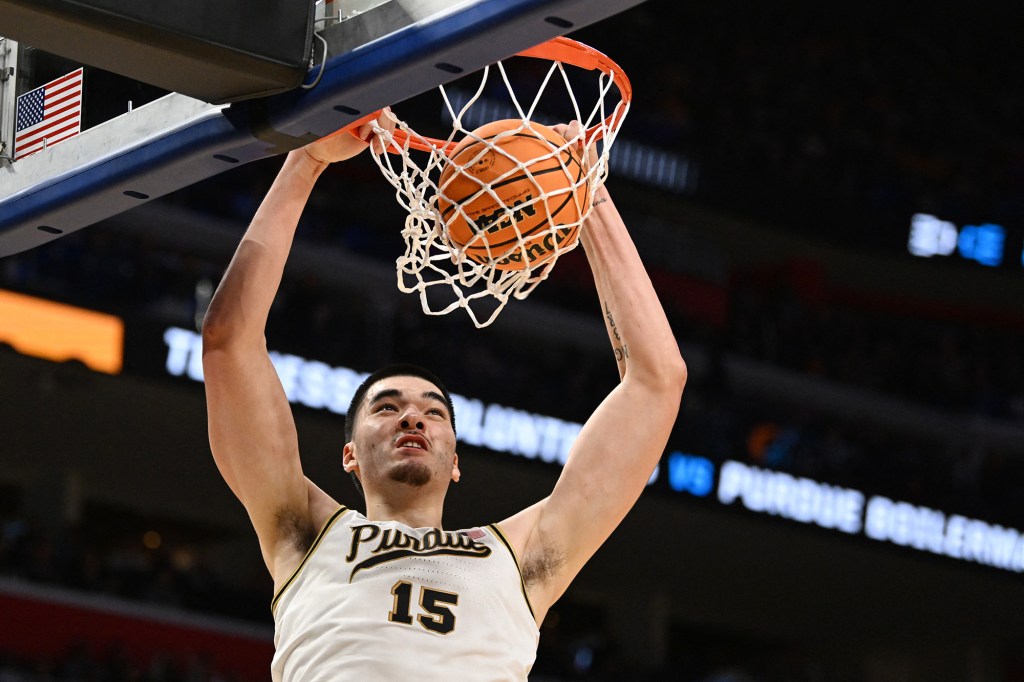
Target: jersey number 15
{"x": 436, "y": 617}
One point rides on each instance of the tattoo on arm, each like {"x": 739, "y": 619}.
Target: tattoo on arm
{"x": 599, "y": 201}
{"x": 611, "y": 322}
{"x": 621, "y": 352}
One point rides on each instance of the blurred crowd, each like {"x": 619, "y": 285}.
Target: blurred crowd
{"x": 953, "y": 365}
{"x": 97, "y": 560}
{"x": 80, "y": 664}
{"x": 839, "y": 123}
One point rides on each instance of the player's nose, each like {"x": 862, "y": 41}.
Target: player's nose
{"x": 412, "y": 419}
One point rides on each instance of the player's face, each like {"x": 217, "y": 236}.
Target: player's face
{"x": 403, "y": 434}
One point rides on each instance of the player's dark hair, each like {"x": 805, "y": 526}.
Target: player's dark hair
{"x": 403, "y": 370}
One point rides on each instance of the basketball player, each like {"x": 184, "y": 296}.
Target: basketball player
{"x": 390, "y": 595}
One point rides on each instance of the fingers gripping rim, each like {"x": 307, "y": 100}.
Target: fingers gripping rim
{"x": 353, "y": 128}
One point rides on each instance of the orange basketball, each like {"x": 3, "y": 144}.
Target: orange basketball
{"x": 498, "y": 197}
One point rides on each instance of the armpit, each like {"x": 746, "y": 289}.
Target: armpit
{"x": 295, "y": 529}
{"x": 541, "y": 565}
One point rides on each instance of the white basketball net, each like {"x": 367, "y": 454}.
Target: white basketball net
{"x": 442, "y": 273}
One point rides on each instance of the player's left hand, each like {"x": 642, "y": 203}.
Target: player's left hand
{"x": 346, "y": 143}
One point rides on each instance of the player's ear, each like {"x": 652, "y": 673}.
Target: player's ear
{"x": 456, "y": 474}
{"x": 348, "y": 458}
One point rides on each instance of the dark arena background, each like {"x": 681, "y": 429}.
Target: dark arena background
{"x": 830, "y": 202}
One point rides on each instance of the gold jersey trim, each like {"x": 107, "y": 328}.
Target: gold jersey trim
{"x": 309, "y": 553}
{"x": 522, "y": 583}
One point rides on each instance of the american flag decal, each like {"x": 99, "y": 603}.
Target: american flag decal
{"x": 49, "y": 114}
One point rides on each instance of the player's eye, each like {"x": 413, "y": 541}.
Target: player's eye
{"x": 386, "y": 406}
{"x": 436, "y": 411}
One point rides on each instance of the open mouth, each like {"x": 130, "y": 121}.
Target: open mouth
{"x": 411, "y": 442}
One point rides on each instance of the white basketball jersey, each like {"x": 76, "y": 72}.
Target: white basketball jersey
{"x": 383, "y": 601}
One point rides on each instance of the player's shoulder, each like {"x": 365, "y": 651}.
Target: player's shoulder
{"x": 520, "y": 527}
{"x": 320, "y": 507}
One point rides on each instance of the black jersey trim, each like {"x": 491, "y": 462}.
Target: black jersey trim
{"x": 522, "y": 583}
{"x": 309, "y": 552}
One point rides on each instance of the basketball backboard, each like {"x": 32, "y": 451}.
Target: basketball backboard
{"x": 376, "y": 54}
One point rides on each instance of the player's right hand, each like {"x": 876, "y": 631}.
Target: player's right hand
{"x": 575, "y": 134}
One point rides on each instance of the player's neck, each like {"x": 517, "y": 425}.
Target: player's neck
{"x": 414, "y": 510}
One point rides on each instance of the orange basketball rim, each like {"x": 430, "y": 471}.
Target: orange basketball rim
{"x": 560, "y": 49}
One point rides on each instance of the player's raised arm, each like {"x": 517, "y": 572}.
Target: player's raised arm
{"x": 252, "y": 431}
{"x": 621, "y": 443}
